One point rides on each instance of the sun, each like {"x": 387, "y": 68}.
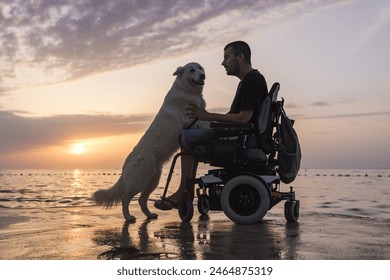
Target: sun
{"x": 77, "y": 149}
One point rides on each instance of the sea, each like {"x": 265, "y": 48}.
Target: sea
{"x": 352, "y": 192}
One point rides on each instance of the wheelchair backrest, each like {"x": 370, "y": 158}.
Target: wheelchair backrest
{"x": 265, "y": 108}
{"x": 265, "y": 120}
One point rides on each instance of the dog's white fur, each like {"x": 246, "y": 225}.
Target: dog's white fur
{"x": 142, "y": 168}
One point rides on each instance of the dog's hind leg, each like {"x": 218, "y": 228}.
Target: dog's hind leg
{"x": 127, "y": 196}
{"x": 125, "y": 208}
{"x": 143, "y": 199}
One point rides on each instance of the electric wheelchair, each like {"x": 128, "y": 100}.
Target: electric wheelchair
{"x": 245, "y": 183}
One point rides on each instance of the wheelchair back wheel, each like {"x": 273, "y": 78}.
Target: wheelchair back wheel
{"x": 245, "y": 199}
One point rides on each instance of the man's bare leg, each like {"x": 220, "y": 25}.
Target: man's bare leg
{"x": 189, "y": 166}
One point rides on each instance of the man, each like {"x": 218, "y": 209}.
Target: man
{"x": 251, "y": 92}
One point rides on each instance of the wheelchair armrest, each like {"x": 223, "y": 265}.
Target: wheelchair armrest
{"x": 231, "y": 126}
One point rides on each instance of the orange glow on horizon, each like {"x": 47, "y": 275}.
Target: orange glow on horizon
{"x": 102, "y": 152}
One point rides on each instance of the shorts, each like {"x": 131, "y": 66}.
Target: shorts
{"x": 191, "y": 138}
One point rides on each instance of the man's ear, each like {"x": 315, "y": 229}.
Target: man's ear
{"x": 178, "y": 71}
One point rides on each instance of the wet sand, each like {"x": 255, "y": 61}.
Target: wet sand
{"x": 90, "y": 233}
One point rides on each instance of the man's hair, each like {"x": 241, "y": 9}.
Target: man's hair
{"x": 240, "y": 47}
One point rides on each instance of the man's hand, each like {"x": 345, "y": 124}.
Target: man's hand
{"x": 196, "y": 112}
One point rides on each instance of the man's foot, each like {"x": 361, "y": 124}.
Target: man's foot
{"x": 166, "y": 204}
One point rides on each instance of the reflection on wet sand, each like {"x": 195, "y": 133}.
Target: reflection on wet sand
{"x": 92, "y": 232}
{"x": 200, "y": 239}
{"x": 124, "y": 246}
{"x": 292, "y": 241}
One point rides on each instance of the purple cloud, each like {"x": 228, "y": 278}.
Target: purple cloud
{"x": 52, "y": 41}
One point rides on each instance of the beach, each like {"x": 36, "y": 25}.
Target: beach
{"x": 90, "y": 233}
{"x": 49, "y": 216}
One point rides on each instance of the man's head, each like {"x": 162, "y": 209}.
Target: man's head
{"x": 236, "y": 55}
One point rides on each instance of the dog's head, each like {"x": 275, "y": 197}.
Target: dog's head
{"x": 192, "y": 73}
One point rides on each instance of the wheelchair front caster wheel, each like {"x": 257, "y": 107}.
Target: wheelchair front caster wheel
{"x": 186, "y": 210}
{"x": 291, "y": 210}
{"x": 203, "y": 204}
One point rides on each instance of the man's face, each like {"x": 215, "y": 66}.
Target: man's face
{"x": 230, "y": 62}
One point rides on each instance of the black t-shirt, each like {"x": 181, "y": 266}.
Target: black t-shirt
{"x": 251, "y": 92}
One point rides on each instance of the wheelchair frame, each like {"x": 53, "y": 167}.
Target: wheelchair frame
{"x": 244, "y": 192}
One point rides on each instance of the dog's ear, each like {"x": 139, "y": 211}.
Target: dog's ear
{"x": 178, "y": 71}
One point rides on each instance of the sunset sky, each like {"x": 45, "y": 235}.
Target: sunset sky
{"x": 80, "y": 81}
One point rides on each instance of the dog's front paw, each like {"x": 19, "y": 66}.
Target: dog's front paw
{"x": 152, "y": 216}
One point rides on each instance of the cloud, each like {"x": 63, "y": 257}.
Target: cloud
{"x": 20, "y": 133}
{"x": 379, "y": 21}
{"x": 356, "y": 115}
{"x": 50, "y": 41}
{"x": 325, "y": 104}
{"x": 320, "y": 104}
{"x": 292, "y": 105}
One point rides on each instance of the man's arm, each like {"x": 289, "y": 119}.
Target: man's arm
{"x": 195, "y": 112}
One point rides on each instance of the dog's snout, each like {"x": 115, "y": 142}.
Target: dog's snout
{"x": 203, "y": 76}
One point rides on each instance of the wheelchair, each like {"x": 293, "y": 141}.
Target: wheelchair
{"x": 245, "y": 184}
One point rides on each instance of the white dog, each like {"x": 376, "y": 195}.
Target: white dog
{"x": 142, "y": 168}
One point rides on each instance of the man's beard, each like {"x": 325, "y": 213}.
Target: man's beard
{"x": 233, "y": 71}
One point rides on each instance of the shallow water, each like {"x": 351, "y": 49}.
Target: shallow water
{"x": 350, "y": 192}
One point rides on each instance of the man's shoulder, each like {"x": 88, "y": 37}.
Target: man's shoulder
{"x": 254, "y": 76}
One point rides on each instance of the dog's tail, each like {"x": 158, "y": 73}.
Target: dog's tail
{"x": 109, "y": 197}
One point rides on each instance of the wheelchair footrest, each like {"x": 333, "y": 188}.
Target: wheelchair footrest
{"x": 211, "y": 179}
